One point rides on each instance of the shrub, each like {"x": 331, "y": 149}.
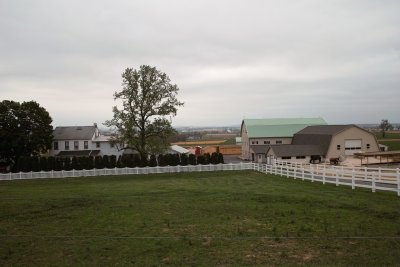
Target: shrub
{"x": 207, "y": 158}
{"x": 59, "y": 164}
{"x": 98, "y": 162}
{"x": 50, "y": 163}
{"x": 67, "y": 164}
{"x": 221, "y": 158}
{"x": 153, "y": 161}
{"x": 161, "y": 160}
{"x": 113, "y": 161}
{"x": 43, "y": 163}
{"x": 184, "y": 159}
{"x": 200, "y": 160}
{"x": 192, "y": 159}
{"x": 214, "y": 158}
{"x": 106, "y": 161}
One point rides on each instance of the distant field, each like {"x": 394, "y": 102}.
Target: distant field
{"x": 393, "y": 145}
{"x": 391, "y": 135}
{"x": 199, "y": 142}
{"x": 196, "y": 219}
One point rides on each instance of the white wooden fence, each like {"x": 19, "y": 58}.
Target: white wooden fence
{"x": 372, "y": 178}
{"x": 125, "y": 171}
{"x": 367, "y": 177}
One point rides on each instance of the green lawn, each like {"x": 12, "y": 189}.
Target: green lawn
{"x": 197, "y": 219}
{"x": 393, "y": 145}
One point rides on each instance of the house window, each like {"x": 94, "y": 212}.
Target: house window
{"x": 66, "y": 145}
{"x": 368, "y": 146}
{"x": 267, "y": 142}
{"x": 76, "y": 145}
{"x": 254, "y": 142}
{"x": 55, "y": 145}
{"x": 278, "y": 142}
{"x": 300, "y": 157}
{"x": 111, "y": 145}
{"x": 85, "y": 144}
{"x": 338, "y": 147}
{"x": 286, "y": 157}
{"x": 97, "y": 144}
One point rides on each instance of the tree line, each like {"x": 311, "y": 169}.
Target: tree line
{"x": 37, "y": 164}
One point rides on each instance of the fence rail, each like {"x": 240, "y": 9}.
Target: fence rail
{"x": 373, "y": 178}
{"x": 125, "y": 171}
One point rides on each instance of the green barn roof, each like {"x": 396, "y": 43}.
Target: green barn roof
{"x": 285, "y": 127}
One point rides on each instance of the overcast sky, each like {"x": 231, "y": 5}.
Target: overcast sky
{"x": 339, "y": 60}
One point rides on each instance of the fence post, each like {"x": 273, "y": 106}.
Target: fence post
{"x": 353, "y": 182}
{"x": 302, "y": 173}
{"x": 336, "y": 175}
{"x": 312, "y": 173}
{"x": 379, "y": 174}
{"x": 373, "y": 183}
{"x": 323, "y": 175}
{"x": 398, "y": 181}
{"x": 281, "y": 170}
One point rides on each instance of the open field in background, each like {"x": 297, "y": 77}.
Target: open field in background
{"x": 201, "y": 219}
{"x": 199, "y": 143}
{"x": 388, "y": 135}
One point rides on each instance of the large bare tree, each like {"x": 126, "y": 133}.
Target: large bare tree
{"x": 149, "y": 100}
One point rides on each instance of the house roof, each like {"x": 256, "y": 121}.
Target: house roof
{"x": 320, "y": 135}
{"x": 78, "y": 153}
{"x": 284, "y": 127}
{"x": 179, "y": 149}
{"x": 296, "y": 150}
{"x": 74, "y": 132}
{"x": 102, "y": 138}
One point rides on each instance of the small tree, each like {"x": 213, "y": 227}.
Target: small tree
{"x": 98, "y": 162}
{"x": 120, "y": 162}
{"x": 153, "y": 161}
{"x": 184, "y": 160}
{"x": 43, "y": 163}
{"x": 67, "y": 164}
{"x": 90, "y": 163}
{"x": 214, "y": 158}
{"x": 201, "y": 160}
{"x": 207, "y": 158}
{"x": 50, "y": 163}
{"x": 113, "y": 161}
{"x": 221, "y": 158}
{"x": 385, "y": 126}
{"x": 192, "y": 159}
{"x": 161, "y": 160}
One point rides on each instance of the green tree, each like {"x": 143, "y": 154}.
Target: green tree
{"x": 148, "y": 101}
{"x": 385, "y": 126}
{"x": 25, "y": 130}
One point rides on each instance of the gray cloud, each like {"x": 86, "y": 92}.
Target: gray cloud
{"x": 231, "y": 59}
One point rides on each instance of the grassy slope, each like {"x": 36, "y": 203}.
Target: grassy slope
{"x": 199, "y": 219}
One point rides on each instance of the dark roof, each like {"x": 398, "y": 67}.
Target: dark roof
{"x": 318, "y": 135}
{"x": 74, "y": 133}
{"x": 324, "y": 129}
{"x": 260, "y": 149}
{"x": 78, "y": 153}
{"x": 296, "y": 150}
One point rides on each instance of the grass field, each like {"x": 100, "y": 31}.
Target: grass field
{"x": 391, "y": 135}
{"x": 393, "y": 145}
{"x": 197, "y": 219}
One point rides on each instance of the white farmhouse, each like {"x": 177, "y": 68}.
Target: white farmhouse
{"x": 81, "y": 141}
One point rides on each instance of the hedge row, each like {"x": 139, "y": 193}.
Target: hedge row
{"x": 36, "y": 164}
